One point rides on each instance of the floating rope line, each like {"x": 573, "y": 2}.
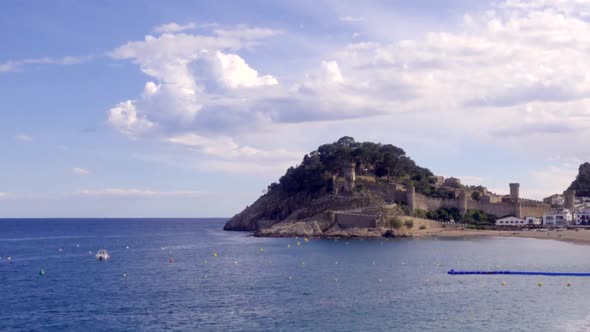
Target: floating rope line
{"x": 525, "y": 273}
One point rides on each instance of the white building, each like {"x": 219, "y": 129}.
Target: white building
{"x": 582, "y": 217}
{"x": 511, "y": 221}
{"x": 535, "y": 221}
{"x": 557, "y": 217}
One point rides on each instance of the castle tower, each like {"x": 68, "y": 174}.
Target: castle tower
{"x": 463, "y": 202}
{"x": 518, "y": 210}
{"x": 570, "y": 199}
{"x": 411, "y": 197}
{"x": 514, "y": 191}
{"x": 349, "y": 176}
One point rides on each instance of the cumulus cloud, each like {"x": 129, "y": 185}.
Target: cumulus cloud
{"x": 236, "y": 73}
{"x": 190, "y": 70}
{"x": 3, "y": 195}
{"x": 124, "y": 117}
{"x": 516, "y": 73}
{"x": 80, "y": 171}
{"x": 16, "y": 65}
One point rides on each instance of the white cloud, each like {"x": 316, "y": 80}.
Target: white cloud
{"x": 514, "y": 77}
{"x": 3, "y": 195}
{"x": 471, "y": 180}
{"x": 80, "y": 171}
{"x": 236, "y": 73}
{"x": 332, "y": 72}
{"x": 133, "y": 192}
{"x": 226, "y": 148}
{"x": 191, "y": 70}
{"x": 351, "y": 19}
{"x": 124, "y": 117}
{"x": 23, "y": 138}
{"x": 16, "y": 65}
{"x": 174, "y": 27}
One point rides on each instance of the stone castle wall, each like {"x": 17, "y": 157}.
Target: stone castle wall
{"x": 428, "y": 203}
{"x": 533, "y": 210}
{"x": 502, "y": 209}
{"x": 497, "y": 209}
{"x": 351, "y": 220}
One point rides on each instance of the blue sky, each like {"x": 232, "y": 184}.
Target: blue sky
{"x": 191, "y": 108}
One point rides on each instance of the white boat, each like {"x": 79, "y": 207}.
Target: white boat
{"x": 102, "y": 255}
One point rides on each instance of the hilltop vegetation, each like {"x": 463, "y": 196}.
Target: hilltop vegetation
{"x": 582, "y": 182}
{"x": 382, "y": 161}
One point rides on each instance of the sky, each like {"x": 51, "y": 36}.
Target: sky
{"x": 191, "y": 108}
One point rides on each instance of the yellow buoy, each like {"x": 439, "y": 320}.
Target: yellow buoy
{"x": 306, "y": 239}
{"x": 261, "y": 249}
{"x": 540, "y": 284}
{"x": 214, "y": 254}
{"x": 503, "y": 283}
{"x": 298, "y": 243}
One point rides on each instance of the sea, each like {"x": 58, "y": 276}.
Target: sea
{"x": 190, "y": 275}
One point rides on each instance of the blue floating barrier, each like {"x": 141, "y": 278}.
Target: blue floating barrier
{"x": 526, "y": 273}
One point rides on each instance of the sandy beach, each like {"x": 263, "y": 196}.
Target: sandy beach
{"x": 581, "y": 236}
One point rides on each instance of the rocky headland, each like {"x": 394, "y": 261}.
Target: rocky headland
{"x": 364, "y": 189}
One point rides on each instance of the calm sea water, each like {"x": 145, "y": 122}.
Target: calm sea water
{"x": 263, "y": 284}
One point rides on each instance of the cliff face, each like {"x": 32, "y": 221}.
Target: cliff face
{"x": 582, "y": 182}
{"x": 271, "y": 209}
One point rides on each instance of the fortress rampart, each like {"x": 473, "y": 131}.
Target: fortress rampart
{"x": 517, "y": 207}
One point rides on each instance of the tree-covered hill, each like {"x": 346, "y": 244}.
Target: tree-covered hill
{"x": 582, "y": 182}
{"x": 305, "y": 190}
{"x": 315, "y": 172}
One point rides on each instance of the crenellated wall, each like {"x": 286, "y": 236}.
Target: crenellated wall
{"x": 501, "y": 209}
{"x": 497, "y": 209}
{"x": 428, "y": 203}
{"x": 516, "y": 206}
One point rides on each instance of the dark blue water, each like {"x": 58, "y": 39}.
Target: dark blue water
{"x": 321, "y": 285}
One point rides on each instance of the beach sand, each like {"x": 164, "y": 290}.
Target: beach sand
{"x": 582, "y": 236}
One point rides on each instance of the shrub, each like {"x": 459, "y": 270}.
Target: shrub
{"x": 420, "y": 213}
{"x": 395, "y": 222}
{"x": 422, "y": 226}
{"x": 409, "y": 223}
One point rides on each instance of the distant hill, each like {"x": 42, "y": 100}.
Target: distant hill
{"x": 582, "y": 182}
{"x": 307, "y": 190}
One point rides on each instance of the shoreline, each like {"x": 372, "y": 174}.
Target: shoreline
{"x": 577, "y": 237}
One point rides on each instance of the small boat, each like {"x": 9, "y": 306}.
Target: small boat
{"x": 102, "y": 255}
